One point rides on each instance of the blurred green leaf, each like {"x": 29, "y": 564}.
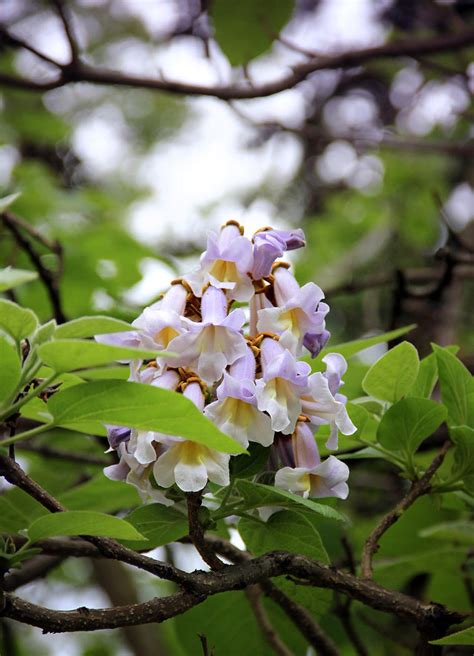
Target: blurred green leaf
{"x": 10, "y": 277}
{"x": 159, "y": 524}
{"x": 349, "y": 349}
{"x": 465, "y": 637}
{"x": 246, "y": 29}
{"x": 460, "y": 532}
{"x": 10, "y": 370}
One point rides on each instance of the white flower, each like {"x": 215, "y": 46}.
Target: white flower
{"x": 327, "y": 479}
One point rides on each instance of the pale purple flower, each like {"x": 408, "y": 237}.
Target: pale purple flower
{"x": 225, "y": 264}
{"x": 322, "y": 407}
{"x": 213, "y": 343}
{"x": 130, "y": 470}
{"x": 336, "y": 367}
{"x": 235, "y": 412}
{"x": 270, "y": 245}
{"x": 279, "y": 390}
{"x": 190, "y": 464}
{"x": 310, "y": 477}
{"x": 299, "y": 311}
{"x": 328, "y": 479}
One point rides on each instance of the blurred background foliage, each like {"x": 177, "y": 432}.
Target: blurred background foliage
{"x": 375, "y": 162}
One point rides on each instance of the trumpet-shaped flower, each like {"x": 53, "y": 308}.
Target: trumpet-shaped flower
{"x": 311, "y": 477}
{"x": 328, "y": 479}
{"x": 322, "y": 407}
{"x": 284, "y": 380}
{"x": 189, "y": 464}
{"x": 299, "y": 311}
{"x": 235, "y": 411}
{"x": 215, "y": 342}
{"x": 271, "y": 244}
{"x": 225, "y": 264}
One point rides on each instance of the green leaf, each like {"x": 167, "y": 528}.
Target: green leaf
{"x": 16, "y": 321}
{"x": 461, "y": 532}
{"x": 428, "y": 375}
{"x": 138, "y": 406}
{"x": 393, "y": 375}
{"x": 408, "y": 422}
{"x": 463, "y": 466}
{"x": 10, "y": 277}
{"x": 6, "y": 201}
{"x": 160, "y": 525}
{"x": 45, "y": 332}
{"x": 465, "y": 637}
{"x": 101, "y": 494}
{"x": 457, "y": 388}
{"x": 72, "y": 354}
{"x": 90, "y": 326}
{"x": 349, "y": 349}
{"x": 256, "y": 495}
{"x": 10, "y": 370}
{"x": 246, "y": 29}
{"x": 82, "y": 522}
{"x": 295, "y": 532}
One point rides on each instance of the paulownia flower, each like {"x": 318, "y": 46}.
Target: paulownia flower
{"x": 225, "y": 264}
{"x": 235, "y": 412}
{"x": 279, "y": 390}
{"x": 270, "y": 245}
{"x": 299, "y": 312}
{"x": 311, "y": 477}
{"x": 215, "y": 342}
{"x": 190, "y": 464}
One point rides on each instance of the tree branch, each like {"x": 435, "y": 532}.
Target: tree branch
{"x": 49, "y": 278}
{"x": 418, "y": 488}
{"x": 254, "y": 596}
{"x": 77, "y": 71}
{"x": 196, "y": 532}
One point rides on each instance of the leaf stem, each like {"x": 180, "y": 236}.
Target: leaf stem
{"x": 26, "y": 434}
{"x": 31, "y": 395}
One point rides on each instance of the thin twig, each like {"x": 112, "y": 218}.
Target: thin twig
{"x": 254, "y": 596}
{"x": 420, "y": 487}
{"x": 49, "y": 278}
{"x": 73, "y": 47}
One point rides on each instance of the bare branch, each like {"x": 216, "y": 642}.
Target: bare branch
{"x": 418, "y": 488}
{"x": 79, "y": 72}
{"x": 73, "y": 47}
{"x": 196, "y": 532}
{"x": 13, "y": 40}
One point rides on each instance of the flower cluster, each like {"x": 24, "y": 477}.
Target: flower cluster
{"x": 241, "y": 369}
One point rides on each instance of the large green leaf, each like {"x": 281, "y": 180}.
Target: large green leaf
{"x": 138, "y": 406}
{"x": 391, "y": 377}
{"x": 457, "y": 388}
{"x": 10, "y": 369}
{"x": 246, "y": 29}
{"x": 408, "y": 422}
{"x": 16, "y": 321}
{"x": 90, "y": 326}
{"x": 465, "y": 637}
{"x": 463, "y": 467}
{"x": 10, "y": 277}
{"x": 349, "y": 349}
{"x": 100, "y": 494}
{"x": 6, "y": 201}
{"x": 256, "y": 495}
{"x": 159, "y": 524}
{"x": 295, "y": 532}
{"x": 73, "y": 354}
{"x": 428, "y": 375}
{"x": 82, "y": 522}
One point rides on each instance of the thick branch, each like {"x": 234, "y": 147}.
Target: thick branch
{"x": 80, "y": 72}
{"x": 196, "y": 532}
{"x": 418, "y": 488}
